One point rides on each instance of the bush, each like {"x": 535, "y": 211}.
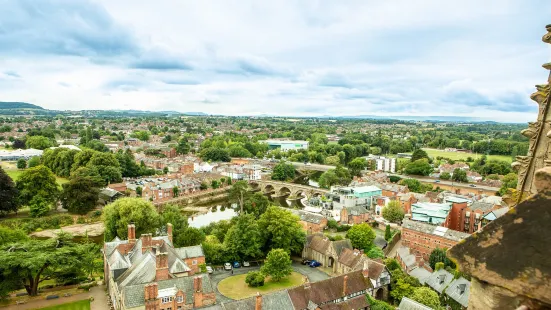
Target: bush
{"x": 332, "y": 224}
{"x": 81, "y": 220}
{"x": 203, "y": 268}
{"x": 254, "y": 279}
{"x": 341, "y": 228}
{"x": 33, "y": 224}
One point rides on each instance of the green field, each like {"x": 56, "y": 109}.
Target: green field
{"x": 236, "y": 288}
{"x": 77, "y": 305}
{"x": 463, "y": 156}
{"x": 14, "y": 173}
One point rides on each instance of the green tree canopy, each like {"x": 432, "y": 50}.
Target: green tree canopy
{"x": 357, "y": 165}
{"x": 33, "y": 162}
{"x": 11, "y": 235}
{"x": 427, "y": 297}
{"x": 239, "y": 192}
{"x": 80, "y": 195}
{"x": 419, "y": 167}
{"x": 375, "y": 252}
{"x": 439, "y": 255}
{"x": 393, "y": 212}
{"x": 256, "y": 204}
{"x": 244, "y": 239}
{"x": 459, "y": 175}
{"x": 445, "y": 176}
{"x": 21, "y": 163}
{"x": 361, "y": 236}
{"x": 37, "y": 181}
{"x": 416, "y": 186}
{"x": 215, "y": 154}
{"x": 39, "y": 142}
{"x": 283, "y": 171}
{"x": 183, "y": 147}
{"x": 8, "y": 194}
{"x": 189, "y": 236}
{"x": 419, "y": 154}
{"x": 281, "y": 229}
{"x": 332, "y": 160}
{"x": 508, "y": 182}
{"x": 277, "y": 264}
{"x": 119, "y": 214}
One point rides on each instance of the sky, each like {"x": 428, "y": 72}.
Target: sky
{"x": 288, "y": 57}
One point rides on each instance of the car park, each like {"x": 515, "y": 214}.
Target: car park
{"x": 209, "y": 269}
{"x": 227, "y": 266}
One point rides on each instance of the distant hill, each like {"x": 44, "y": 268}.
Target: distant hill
{"x": 18, "y": 105}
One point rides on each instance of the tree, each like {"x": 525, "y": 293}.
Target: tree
{"x": 438, "y": 266}
{"x": 203, "y": 186}
{"x": 244, "y": 240}
{"x": 281, "y": 229}
{"x": 8, "y": 194}
{"x": 183, "y": 147}
{"x": 427, "y": 297}
{"x": 30, "y": 262}
{"x": 339, "y": 175}
{"x": 11, "y": 235}
{"x": 175, "y": 191}
{"x": 124, "y": 211}
{"x": 37, "y": 181}
{"x": 33, "y": 162}
{"x": 215, "y": 154}
{"x": 439, "y": 255}
{"x": 393, "y": 212}
{"x": 459, "y": 175}
{"x": 239, "y": 192}
{"x": 80, "y": 195}
{"x": 139, "y": 191}
{"x": 165, "y": 170}
{"x": 419, "y": 167}
{"x": 38, "y": 142}
{"x": 332, "y": 160}
{"x": 21, "y": 163}
{"x": 283, "y": 171}
{"x": 388, "y": 234}
{"x": 39, "y": 206}
{"x": 255, "y": 278}
{"x": 419, "y": 154}
{"x": 361, "y": 236}
{"x": 357, "y": 165}
{"x": 375, "y": 304}
{"x": 277, "y": 265}
{"x": 214, "y": 184}
{"x": 143, "y": 135}
{"x": 96, "y": 145}
{"x": 237, "y": 150}
{"x": 508, "y": 182}
{"x": 375, "y": 253}
{"x": 416, "y": 186}
{"x": 256, "y": 204}
{"x": 402, "y": 285}
{"x": 189, "y": 236}
{"x": 445, "y": 176}
{"x": 106, "y": 165}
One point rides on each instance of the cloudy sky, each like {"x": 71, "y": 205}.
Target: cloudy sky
{"x": 286, "y": 57}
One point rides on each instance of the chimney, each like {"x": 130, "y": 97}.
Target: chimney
{"x": 365, "y": 272}
{"x": 147, "y": 242}
{"x": 344, "y": 286}
{"x": 421, "y": 262}
{"x": 131, "y": 233}
{"x": 198, "y": 292}
{"x": 169, "y": 231}
{"x": 161, "y": 272}
{"x": 151, "y": 291}
{"x": 258, "y": 303}
{"x": 306, "y": 284}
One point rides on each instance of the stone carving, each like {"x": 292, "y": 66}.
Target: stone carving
{"x": 539, "y": 133}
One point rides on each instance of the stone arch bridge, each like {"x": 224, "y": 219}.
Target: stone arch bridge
{"x": 282, "y": 189}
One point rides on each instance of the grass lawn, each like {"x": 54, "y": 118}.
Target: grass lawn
{"x": 77, "y": 305}
{"x": 463, "y": 156}
{"x": 14, "y": 173}
{"x": 236, "y": 288}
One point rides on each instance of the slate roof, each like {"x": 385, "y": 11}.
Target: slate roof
{"x": 439, "y": 280}
{"x": 328, "y": 290}
{"x": 318, "y": 242}
{"x": 456, "y": 287}
{"x": 277, "y": 301}
{"x": 482, "y": 206}
{"x": 190, "y": 251}
{"x": 380, "y": 242}
{"x": 350, "y": 258}
{"x": 359, "y": 302}
{"x": 408, "y": 258}
{"x": 134, "y": 294}
{"x": 420, "y": 274}
{"x": 375, "y": 268}
{"x": 409, "y": 304}
{"x": 308, "y": 216}
{"x": 142, "y": 271}
{"x": 356, "y": 210}
{"x": 430, "y": 229}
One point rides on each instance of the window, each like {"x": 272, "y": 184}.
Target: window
{"x": 179, "y": 298}
{"x": 166, "y": 299}
{"x": 194, "y": 262}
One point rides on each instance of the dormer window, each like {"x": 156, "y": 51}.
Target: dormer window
{"x": 442, "y": 278}
{"x": 461, "y": 288}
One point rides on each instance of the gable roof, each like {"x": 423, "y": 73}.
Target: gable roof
{"x": 410, "y": 304}
{"x": 420, "y": 274}
{"x": 190, "y": 251}
{"x": 459, "y": 291}
{"x": 308, "y": 216}
{"x": 350, "y": 258}
{"x": 439, "y": 280}
{"x": 275, "y": 300}
{"x": 328, "y": 290}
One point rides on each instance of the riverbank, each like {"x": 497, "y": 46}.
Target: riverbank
{"x": 79, "y": 230}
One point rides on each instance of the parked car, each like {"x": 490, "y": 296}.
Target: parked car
{"x": 437, "y": 181}
{"x": 314, "y": 264}
{"x": 308, "y": 164}
{"x": 306, "y": 262}
{"x": 209, "y": 269}
{"x": 472, "y": 185}
{"x": 236, "y": 265}
{"x": 227, "y": 266}
{"x": 246, "y": 264}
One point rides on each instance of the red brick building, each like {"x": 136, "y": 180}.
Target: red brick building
{"x": 422, "y": 238}
{"x": 468, "y": 219}
{"x": 186, "y": 168}
{"x": 355, "y": 215}
{"x": 311, "y": 222}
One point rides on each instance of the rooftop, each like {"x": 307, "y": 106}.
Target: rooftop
{"x": 430, "y": 212}
{"x": 435, "y": 230}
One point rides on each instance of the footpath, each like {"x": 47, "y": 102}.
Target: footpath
{"x": 97, "y": 292}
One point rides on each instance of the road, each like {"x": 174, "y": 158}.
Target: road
{"x": 319, "y": 167}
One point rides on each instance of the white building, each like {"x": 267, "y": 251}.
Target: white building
{"x": 18, "y": 154}
{"x": 286, "y": 145}
{"x": 383, "y": 163}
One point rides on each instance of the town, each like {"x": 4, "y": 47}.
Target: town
{"x": 282, "y": 193}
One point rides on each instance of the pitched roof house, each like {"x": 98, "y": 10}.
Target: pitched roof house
{"x": 150, "y": 272}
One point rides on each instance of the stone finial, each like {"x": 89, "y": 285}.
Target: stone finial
{"x": 543, "y": 180}
{"x": 547, "y": 37}
{"x": 547, "y": 65}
